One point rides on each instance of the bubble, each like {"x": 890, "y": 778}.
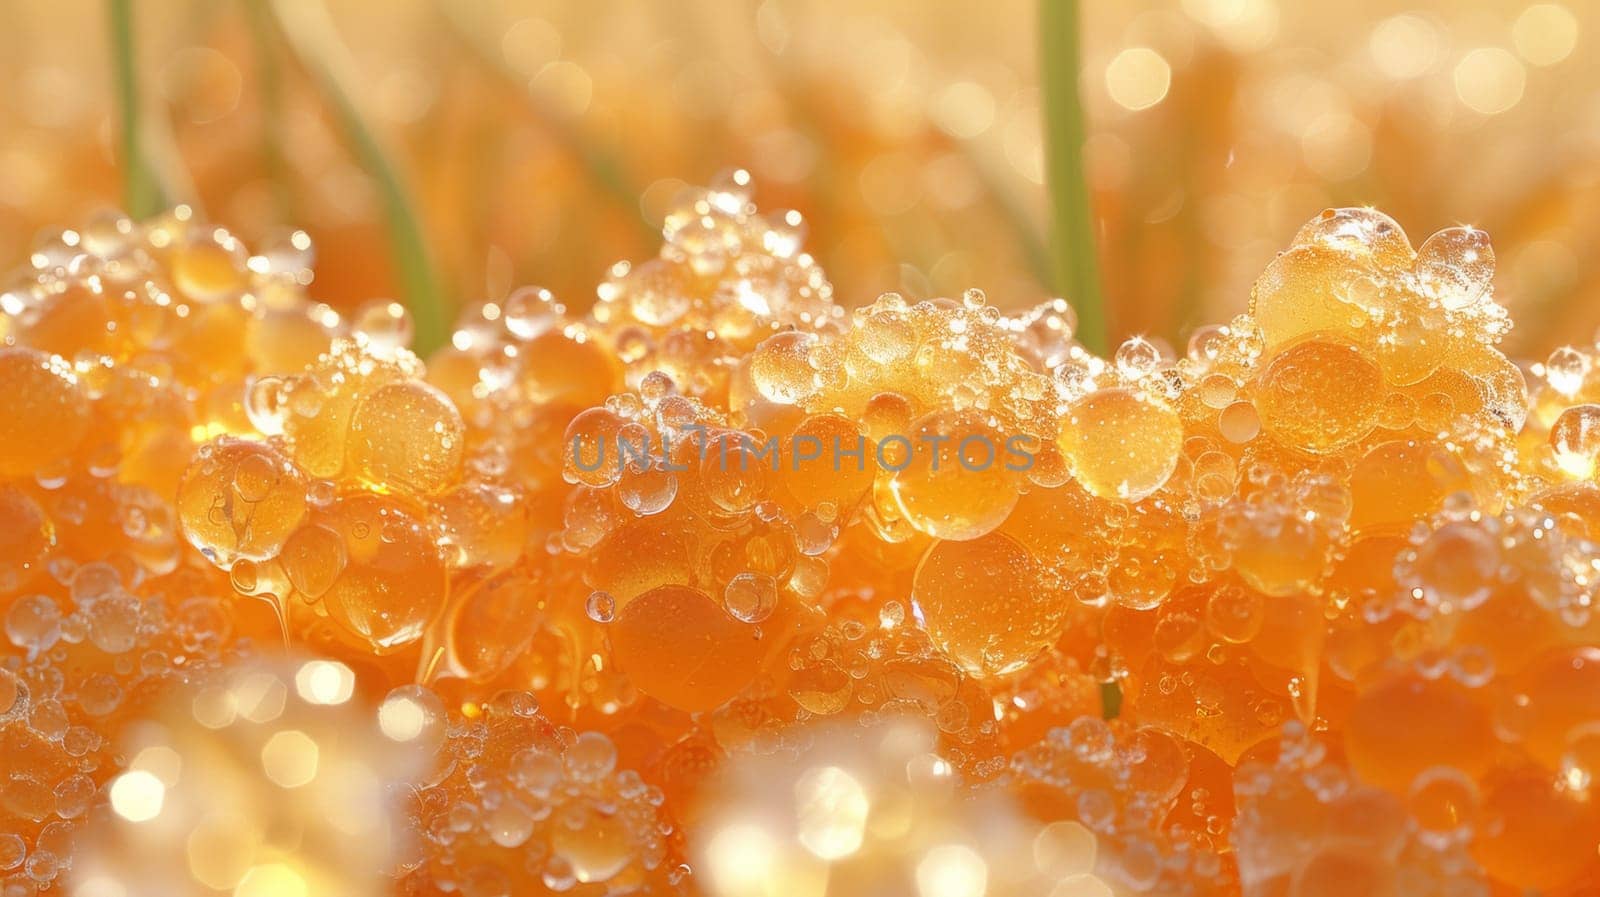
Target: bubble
{"x": 1457, "y": 567}
{"x": 75, "y": 795}
{"x": 591, "y": 757}
{"x": 407, "y": 436}
{"x": 1335, "y": 870}
{"x": 1235, "y": 614}
{"x": 781, "y": 367}
{"x": 561, "y": 368}
{"x": 394, "y": 575}
{"x": 1401, "y": 480}
{"x": 1239, "y": 423}
{"x": 1407, "y": 724}
{"x": 209, "y": 267}
{"x": 1565, "y": 370}
{"x": 240, "y": 499}
{"x": 114, "y": 623}
{"x": 647, "y": 489}
{"x": 1121, "y": 444}
{"x": 601, "y": 607}
{"x": 264, "y": 405}
{"x": 13, "y": 695}
{"x": 1575, "y": 439}
{"x": 1472, "y": 666}
{"x": 1456, "y": 266}
{"x": 751, "y": 597}
{"x": 312, "y": 558}
{"x": 482, "y": 525}
{"x": 958, "y": 478}
{"x": 530, "y": 311}
{"x": 1137, "y": 358}
{"x": 34, "y": 624}
{"x": 1444, "y": 802}
{"x": 387, "y": 325}
{"x": 891, "y": 615}
{"x": 28, "y": 538}
{"x": 44, "y": 413}
{"x": 413, "y": 715}
{"x": 835, "y": 476}
{"x": 1580, "y": 761}
{"x": 679, "y": 646}
{"x": 1319, "y": 396}
{"x": 510, "y": 824}
{"x": 822, "y": 688}
{"x": 1300, "y": 294}
{"x": 660, "y": 293}
{"x": 591, "y": 452}
{"x": 1360, "y": 232}
{"x": 886, "y": 336}
{"x": 1540, "y": 839}
{"x": 982, "y": 603}
{"x": 1218, "y": 391}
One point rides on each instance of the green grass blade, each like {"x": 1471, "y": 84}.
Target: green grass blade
{"x": 311, "y": 36}
{"x": 141, "y": 193}
{"x": 1072, "y": 243}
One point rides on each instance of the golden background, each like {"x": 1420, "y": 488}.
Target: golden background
{"x": 542, "y": 141}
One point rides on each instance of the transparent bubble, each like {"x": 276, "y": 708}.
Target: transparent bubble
{"x": 601, "y": 607}
{"x": 1565, "y": 370}
{"x": 1575, "y": 438}
{"x": 1137, "y": 358}
{"x": 1456, "y": 266}
{"x": 751, "y": 597}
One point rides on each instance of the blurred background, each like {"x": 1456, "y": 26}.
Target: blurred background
{"x": 539, "y": 142}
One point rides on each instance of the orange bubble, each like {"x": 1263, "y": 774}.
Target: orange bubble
{"x": 982, "y": 602}
{"x": 1121, "y": 444}
{"x": 680, "y": 647}
{"x": 43, "y": 412}
{"x": 1319, "y": 396}
{"x": 1407, "y": 723}
{"x": 957, "y": 481}
{"x": 394, "y": 576}
{"x": 240, "y": 499}
{"x": 407, "y": 436}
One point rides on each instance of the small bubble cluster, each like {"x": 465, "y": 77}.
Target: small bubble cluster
{"x": 1303, "y": 607}
{"x": 508, "y": 803}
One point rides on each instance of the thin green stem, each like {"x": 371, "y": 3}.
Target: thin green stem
{"x": 311, "y": 35}
{"x": 1072, "y": 240}
{"x": 141, "y": 193}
